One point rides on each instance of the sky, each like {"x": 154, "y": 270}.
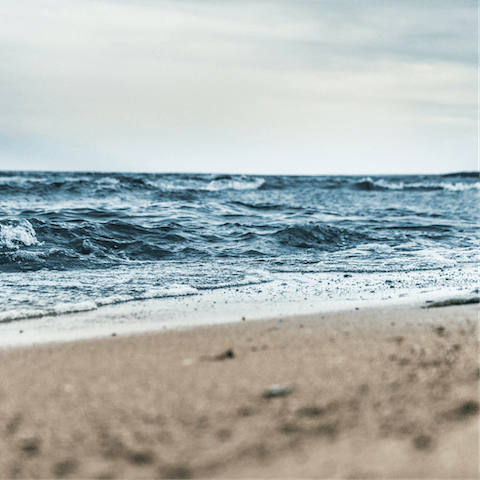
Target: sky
{"x": 257, "y": 87}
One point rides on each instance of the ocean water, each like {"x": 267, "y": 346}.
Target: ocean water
{"x": 74, "y": 242}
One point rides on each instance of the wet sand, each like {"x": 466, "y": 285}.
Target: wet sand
{"x": 374, "y": 394}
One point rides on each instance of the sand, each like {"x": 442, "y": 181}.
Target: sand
{"x": 362, "y": 394}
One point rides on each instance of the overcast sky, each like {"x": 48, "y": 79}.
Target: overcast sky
{"x": 244, "y": 86}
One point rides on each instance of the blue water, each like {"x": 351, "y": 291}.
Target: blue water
{"x": 72, "y": 241}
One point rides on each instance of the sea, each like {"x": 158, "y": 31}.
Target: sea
{"x": 77, "y": 242}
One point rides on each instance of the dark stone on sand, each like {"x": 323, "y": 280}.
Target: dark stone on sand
{"x": 279, "y": 390}
{"x": 467, "y": 409}
{"x": 440, "y": 330}
{"x": 114, "y": 334}
{"x": 66, "y": 467}
{"x": 227, "y": 354}
{"x": 464, "y": 411}
{"x": 422, "y": 442}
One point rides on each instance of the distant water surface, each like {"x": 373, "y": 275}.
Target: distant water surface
{"x": 77, "y": 241}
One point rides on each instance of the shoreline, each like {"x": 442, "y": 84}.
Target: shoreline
{"x": 215, "y": 307}
{"x": 378, "y": 393}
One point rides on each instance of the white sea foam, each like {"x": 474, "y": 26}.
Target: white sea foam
{"x": 62, "y": 308}
{"x": 107, "y": 181}
{"x": 16, "y": 233}
{"x": 389, "y": 185}
{"x": 224, "y": 184}
{"x": 213, "y": 185}
{"x": 460, "y": 187}
{"x": 392, "y": 185}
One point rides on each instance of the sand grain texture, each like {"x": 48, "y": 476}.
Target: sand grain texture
{"x": 378, "y": 394}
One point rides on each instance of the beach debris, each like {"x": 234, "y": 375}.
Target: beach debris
{"x": 226, "y": 354}
{"x": 243, "y": 319}
{"x": 440, "y": 330}
{"x": 278, "y": 390}
{"x": 465, "y": 410}
{"x": 188, "y": 361}
{"x": 454, "y": 301}
{"x": 221, "y": 356}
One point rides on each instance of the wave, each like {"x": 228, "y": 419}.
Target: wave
{"x": 100, "y": 185}
{"x": 319, "y": 237}
{"x": 17, "y": 232}
{"x": 63, "y": 308}
{"x": 218, "y": 184}
{"x": 382, "y": 184}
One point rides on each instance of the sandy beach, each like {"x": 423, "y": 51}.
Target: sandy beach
{"x": 383, "y": 393}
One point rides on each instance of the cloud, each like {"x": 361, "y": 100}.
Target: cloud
{"x": 186, "y": 79}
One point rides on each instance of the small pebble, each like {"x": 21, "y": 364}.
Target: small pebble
{"x": 278, "y": 390}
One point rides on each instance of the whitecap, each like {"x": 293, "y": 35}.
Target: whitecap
{"x": 225, "y": 184}
{"x": 16, "y": 233}
{"x": 460, "y": 187}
